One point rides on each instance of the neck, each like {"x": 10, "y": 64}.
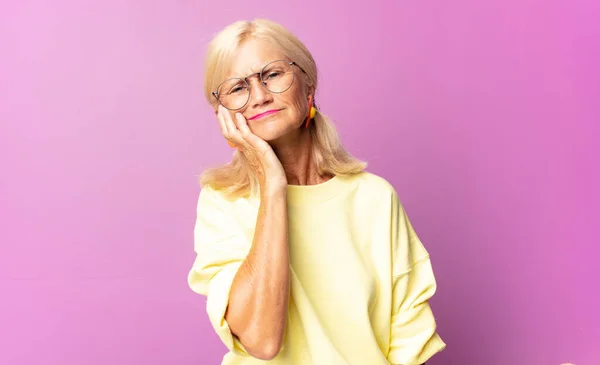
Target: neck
{"x": 295, "y": 154}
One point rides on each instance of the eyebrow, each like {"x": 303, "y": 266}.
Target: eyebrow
{"x": 260, "y": 68}
{"x": 239, "y": 76}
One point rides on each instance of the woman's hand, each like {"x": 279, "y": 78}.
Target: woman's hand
{"x": 257, "y": 151}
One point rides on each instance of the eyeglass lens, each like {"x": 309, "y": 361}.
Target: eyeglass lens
{"x": 276, "y": 76}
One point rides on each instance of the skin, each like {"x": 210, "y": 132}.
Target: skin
{"x": 278, "y": 149}
{"x": 282, "y": 131}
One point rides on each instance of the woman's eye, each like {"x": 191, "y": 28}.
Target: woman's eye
{"x": 273, "y": 75}
{"x": 236, "y": 89}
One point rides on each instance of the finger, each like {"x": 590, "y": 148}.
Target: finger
{"x": 243, "y": 127}
{"x": 234, "y": 133}
{"x": 247, "y": 134}
{"x": 224, "y": 132}
{"x": 221, "y": 120}
{"x": 242, "y": 124}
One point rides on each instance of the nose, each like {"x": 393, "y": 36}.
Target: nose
{"x": 258, "y": 92}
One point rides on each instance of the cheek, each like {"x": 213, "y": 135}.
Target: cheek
{"x": 299, "y": 105}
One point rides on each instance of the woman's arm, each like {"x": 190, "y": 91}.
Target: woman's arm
{"x": 259, "y": 294}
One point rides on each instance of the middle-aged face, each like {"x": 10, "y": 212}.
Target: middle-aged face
{"x": 288, "y": 109}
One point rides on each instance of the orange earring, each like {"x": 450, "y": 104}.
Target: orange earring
{"x": 311, "y": 115}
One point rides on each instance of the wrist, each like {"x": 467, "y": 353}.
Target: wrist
{"x": 273, "y": 191}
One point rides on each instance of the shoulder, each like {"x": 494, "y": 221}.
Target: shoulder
{"x": 214, "y": 201}
{"x": 373, "y": 192}
{"x": 211, "y": 198}
{"x": 375, "y": 185}
{"x": 208, "y": 196}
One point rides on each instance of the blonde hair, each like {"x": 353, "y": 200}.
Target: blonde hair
{"x": 236, "y": 178}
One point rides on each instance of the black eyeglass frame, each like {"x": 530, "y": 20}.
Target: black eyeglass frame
{"x": 260, "y": 74}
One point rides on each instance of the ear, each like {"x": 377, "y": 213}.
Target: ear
{"x": 310, "y": 89}
{"x": 311, "y": 95}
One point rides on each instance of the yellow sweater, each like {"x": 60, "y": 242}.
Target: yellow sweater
{"x": 360, "y": 277}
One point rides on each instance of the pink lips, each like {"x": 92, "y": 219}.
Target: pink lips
{"x": 269, "y": 112}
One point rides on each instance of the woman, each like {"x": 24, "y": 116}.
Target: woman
{"x": 304, "y": 257}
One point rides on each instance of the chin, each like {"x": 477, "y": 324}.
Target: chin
{"x": 268, "y": 134}
{"x": 271, "y": 130}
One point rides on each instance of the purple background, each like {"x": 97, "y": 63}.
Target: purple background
{"x": 484, "y": 115}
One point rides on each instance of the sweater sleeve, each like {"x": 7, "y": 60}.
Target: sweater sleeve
{"x": 413, "y": 337}
{"x": 220, "y": 248}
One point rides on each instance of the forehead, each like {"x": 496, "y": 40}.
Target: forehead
{"x": 252, "y": 56}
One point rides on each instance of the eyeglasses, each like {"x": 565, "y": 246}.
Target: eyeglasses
{"x": 277, "y": 77}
